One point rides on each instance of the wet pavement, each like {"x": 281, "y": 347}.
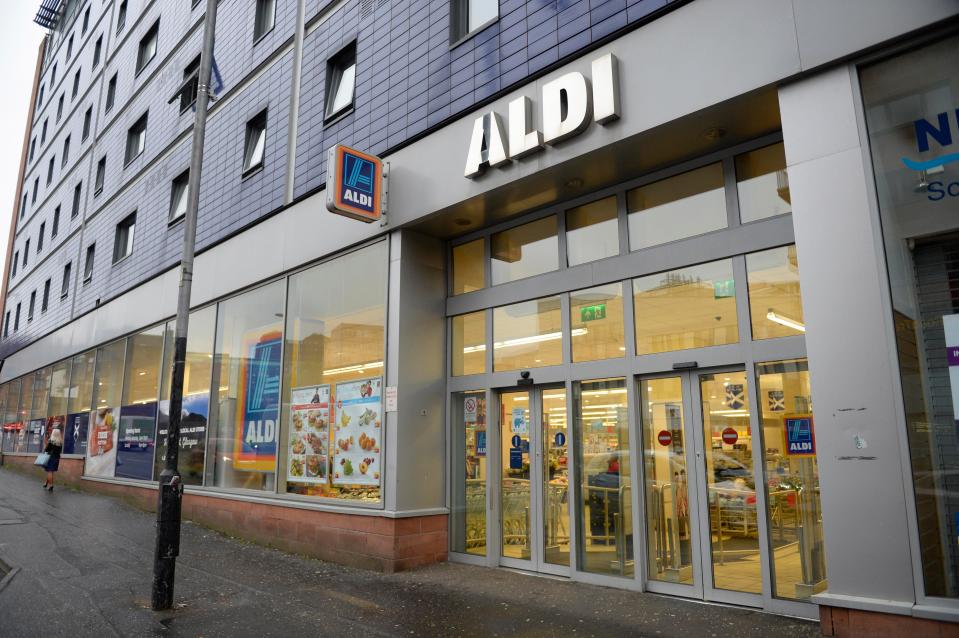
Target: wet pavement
{"x": 85, "y": 565}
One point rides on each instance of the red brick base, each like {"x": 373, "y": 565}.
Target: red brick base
{"x": 371, "y": 542}
{"x": 843, "y": 623}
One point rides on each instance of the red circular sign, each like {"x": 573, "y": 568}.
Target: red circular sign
{"x": 665, "y": 438}
{"x": 730, "y": 436}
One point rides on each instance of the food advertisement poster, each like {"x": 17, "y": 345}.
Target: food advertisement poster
{"x": 358, "y": 433}
{"x": 75, "y": 433}
{"x": 309, "y": 451}
{"x": 258, "y": 411}
{"x": 55, "y": 423}
{"x": 102, "y": 443}
{"x": 36, "y": 429}
{"x": 135, "y": 441}
{"x": 193, "y": 419}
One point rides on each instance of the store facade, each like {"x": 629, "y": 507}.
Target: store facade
{"x": 672, "y": 330}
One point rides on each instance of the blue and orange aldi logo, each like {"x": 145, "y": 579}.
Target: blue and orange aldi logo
{"x": 355, "y": 184}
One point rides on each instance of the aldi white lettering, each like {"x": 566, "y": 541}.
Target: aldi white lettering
{"x": 261, "y": 431}
{"x": 569, "y": 104}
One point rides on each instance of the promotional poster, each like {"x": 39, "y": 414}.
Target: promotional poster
{"x": 135, "y": 441}
{"x": 193, "y": 423}
{"x": 75, "y": 434}
{"x": 36, "y": 430}
{"x": 102, "y": 443}
{"x": 258, "y": 405}
{"x": 359, "y": 435}
{"x": 308, "y": 453}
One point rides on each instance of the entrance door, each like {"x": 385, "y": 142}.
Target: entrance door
{"x": 704, "y": 516}
{"x": 534, "y": 487}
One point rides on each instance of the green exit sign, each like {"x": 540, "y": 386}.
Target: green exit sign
{"x": 592, "y": 313}
{"x": 724, "y": 289}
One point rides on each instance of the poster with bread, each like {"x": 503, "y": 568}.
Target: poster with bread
{"x": 308, "y": 457}
{"x": 358, "y": 432}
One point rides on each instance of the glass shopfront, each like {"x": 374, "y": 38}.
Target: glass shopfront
{"x": 669, "y": 440}
{"x": 910, "y": 102}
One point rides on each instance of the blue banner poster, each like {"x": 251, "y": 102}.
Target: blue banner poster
{"x": 136, "y": 440}
{"x": 193, "y": 423}
{"x": 75, "y": 433}
{"x": 258, "y": 405}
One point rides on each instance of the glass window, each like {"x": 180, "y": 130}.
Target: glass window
{"x": 596, "y": 322}
{"x": 178, "y": 195}
{"x": 41, "y": 393}
{"x": 762, "y": 183}
{"x": 148, "y": 46}
{"x": 26, "y": 397}
{"x": 333, "y": 377}
{"x": 470, "y": 471}
{"x": 528, "y": 334}
{"x": 792, "y": 480}
{"x": 195, "y": 411}
{"x": 136, "y": 437}
{"x": 341, "y": 79}
{"x": 469, "y": 272}
{"x": 246, "y": 373}
{"x": 909, "y": 102}
{"x": 592, "y": 231}
{"x": 107, "y": 392}
{"x": 686, "y": 308}
{"x": 604, "y": 539}
{"x": 775, "y": 303}
{"x": 524, "y": 251}
{"x": 59, "y": 388}
{"x": 12, "y": 423}
{"x": 136, "y": 139}
{"x": 264, "y": 18}
{"x": 255, "y": 142}
{"x": 81, "y": 382}
{"x": 469, "y": 344}
{"x": 123, "y": 237}
{"x": 689, "y": 204}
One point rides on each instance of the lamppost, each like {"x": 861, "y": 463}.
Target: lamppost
{"x": 170, "y": 497}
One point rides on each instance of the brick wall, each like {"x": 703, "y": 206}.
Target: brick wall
{"x": 846, "y": 623}
{"x": 369, "y": 542}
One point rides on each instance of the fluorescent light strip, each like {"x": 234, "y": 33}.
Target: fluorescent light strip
{"x": 786, "y": 321}
{"x": 525, "y": 341}
{"x": 356, "y": 368}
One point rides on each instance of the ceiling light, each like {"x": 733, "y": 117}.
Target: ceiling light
{"x": 785, "y": 321}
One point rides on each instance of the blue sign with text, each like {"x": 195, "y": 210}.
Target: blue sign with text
{"x": 356, "y": 184}
{"x": 481, "y": 443}
{"x": 800, "y": 440}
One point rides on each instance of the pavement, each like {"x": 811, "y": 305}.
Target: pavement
{"x": 84, "y": 566}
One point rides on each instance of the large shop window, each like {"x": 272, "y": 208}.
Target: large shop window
{"x": 195, "y": 411}
{"x": 596, "y": 322}
{"x": 604, "y": 538}
{"x": 775, "y": 303}
{"x": 686, "y": 308}
{"x": 524, "y": 251}
{"x": 528, "y": 334}
{"x": 59, "y": 395}
{"x": 689, "y": 204}
{"x": 592, "y": 231}
{"x": 762, "y": 183}
{"x": 79, "y": 403}
{"x": 12, "y": 424}
{"x": 101, "y": 455}
{"x": 910, "y": 102}
{"x": 469, "y": 267}
{"x": 469, "y": 344}
{"x": 333, "y": 378}
{"x": 246, "y": 373}
{"x": 136, "y": 436}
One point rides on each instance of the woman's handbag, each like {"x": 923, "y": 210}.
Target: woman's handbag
{"x": 42, "y": 459}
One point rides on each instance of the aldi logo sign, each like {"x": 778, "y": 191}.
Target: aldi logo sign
{"x": 800, "y": 437}
{"x": 355, "y": 185}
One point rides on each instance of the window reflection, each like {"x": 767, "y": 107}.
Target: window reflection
{"x": 469, "y": 267}
{"x": 596, "y": 322}
{"x": 528, "y": 334}
{"x": 592, "y": 231}
{"x": 469, "y": 344}
{"x": 775, "y": 302}
{"x": 470, "y": 471}
{"x": 524, "y": 251}
{"x": 762, "y": 183}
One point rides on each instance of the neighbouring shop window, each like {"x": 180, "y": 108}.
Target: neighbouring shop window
{"x": 136, "y": 437}
{"x": 79, "y": 403}
{"x": 762, "y": 183}
{"x": 468, "y": 344}
{"x": 104, "y": 418}
{"x": 246, "y": 374}
{"x": 333, "y": 419}
{"x": 686, "y": 308}
{"x": 528, "y": 334}
{"x": 775, "y": 303}
{"x": 470, "y": 472}
{"x": 592, "y": 231}
{"x": 195, "y": 410}
{"x": 792, "y": 480}
{"x": 910, "y": 102}
{"x": 604, "y": 539}
{"x": 37, "y": 425}
{"x": 677, "y": 207}
{"x": 524, "y": 251}
{"x": 469, "y": 267}
{"x": 12, "y": 424}
{"x": 596, "y": 323}
{"x": 5, "y": 438}
{"x": 59, "y": 395}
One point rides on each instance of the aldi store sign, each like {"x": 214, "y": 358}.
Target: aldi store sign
{"x": 570, "y": 103}
{"x": 355, "y": 185}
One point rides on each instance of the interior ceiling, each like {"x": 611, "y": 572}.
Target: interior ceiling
{"x": 743, "y": 118}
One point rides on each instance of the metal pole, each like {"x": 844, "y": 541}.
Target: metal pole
{"x": 171, "y": 489}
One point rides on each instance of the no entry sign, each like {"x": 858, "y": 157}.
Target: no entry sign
{"x": 730, "y": 436}
{"x": 664, "y": 437}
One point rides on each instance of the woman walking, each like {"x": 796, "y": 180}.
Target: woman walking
{"x": 54, "y": 448}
